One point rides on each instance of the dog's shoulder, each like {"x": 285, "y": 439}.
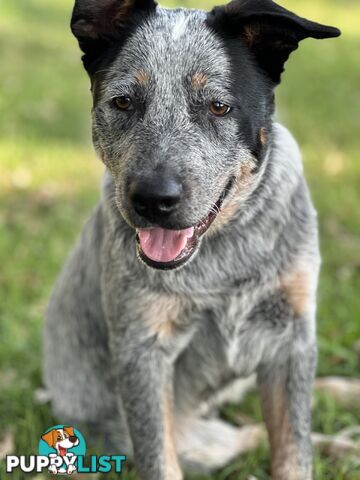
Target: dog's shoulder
{"x": 286, "y": 148}
{"x": 287, "y": 170}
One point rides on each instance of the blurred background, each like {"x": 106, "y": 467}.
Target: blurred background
{"x": 49, "y": 182}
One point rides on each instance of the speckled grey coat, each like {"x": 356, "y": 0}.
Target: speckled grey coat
{"x": 141, "y": 355}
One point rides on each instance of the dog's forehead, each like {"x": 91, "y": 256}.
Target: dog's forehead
{"x": 172, "y": 44}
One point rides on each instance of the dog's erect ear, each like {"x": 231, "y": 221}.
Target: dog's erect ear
{"x": 270, "y": 31}
{"x": 50, "y": 438}
{"x": 99, "y": 23}
{"x": 69, "y": 431}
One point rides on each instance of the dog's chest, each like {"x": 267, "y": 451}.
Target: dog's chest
{"x": 231, "y": 340}
{"x": 230, "y": 325}
{"x": 223, "y": 328}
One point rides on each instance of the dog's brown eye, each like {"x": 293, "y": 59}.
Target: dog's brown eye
{"x": 219, "y": 109}
{"x": 123, "y": 102}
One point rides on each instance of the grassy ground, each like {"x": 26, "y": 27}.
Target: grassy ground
{"x": 49, "y": 182}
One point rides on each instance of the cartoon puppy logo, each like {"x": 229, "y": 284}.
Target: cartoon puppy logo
{"x": 61, "y": 439}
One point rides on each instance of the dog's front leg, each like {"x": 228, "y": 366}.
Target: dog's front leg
{"x": 145, "y": 384}
{"x": 285, "y": 387}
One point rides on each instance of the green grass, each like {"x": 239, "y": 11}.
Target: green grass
{"x": 49, "y": 181}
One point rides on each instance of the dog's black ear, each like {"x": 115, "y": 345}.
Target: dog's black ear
{"x": 97, "y": 24}
{"x": 270, "y": 31}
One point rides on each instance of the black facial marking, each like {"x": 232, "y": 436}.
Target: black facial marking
{"x": 255, "y": 99}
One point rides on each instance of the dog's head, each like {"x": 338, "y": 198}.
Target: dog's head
{"x": 183, "y": 102}
{"x": 61, "y": 439}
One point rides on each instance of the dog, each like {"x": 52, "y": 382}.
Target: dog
{"x": 197, "y": 271}
{"x": 61, "y": 439}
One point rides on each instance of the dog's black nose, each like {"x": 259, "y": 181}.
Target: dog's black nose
{"x": 73, "y": 439}
{"x": 155, "y": 198}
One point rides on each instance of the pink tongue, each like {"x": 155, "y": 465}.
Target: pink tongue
{"x": 162, "y": 245}
{"x": 62, "y": 451}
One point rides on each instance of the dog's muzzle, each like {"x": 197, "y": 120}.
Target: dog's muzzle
{"x": 166, "y": 249}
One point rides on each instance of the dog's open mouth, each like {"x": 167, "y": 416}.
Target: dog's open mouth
{"x": 62, "y": 451}
{"x": 168, "y": 249}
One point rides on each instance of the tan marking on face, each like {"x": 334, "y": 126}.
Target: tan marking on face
{"x": 199, "y": 80}
{"x": 299, "y": 289}
{"x": 263, "y": 136}
{"x": 239, "y": 192}
{"x": 284, "y": 451}
{"x": 164, "y": 315}
{"x": 142, "y": 78}
{"x": 172, "y": 468}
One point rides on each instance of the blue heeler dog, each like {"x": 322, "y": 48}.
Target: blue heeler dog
{"x": 198, "y": 269}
